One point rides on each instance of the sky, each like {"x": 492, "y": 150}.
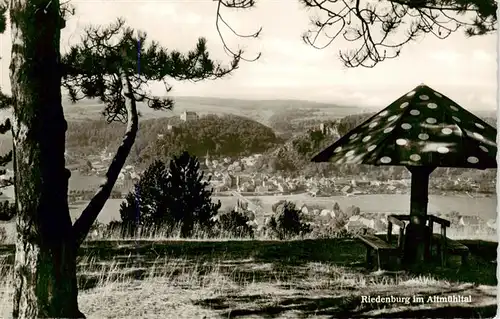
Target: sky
{"x": 464, "y": 69}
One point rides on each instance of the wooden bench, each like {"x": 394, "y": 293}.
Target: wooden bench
{"x": 444, "y": 245}
{"x": 380, "y": 246}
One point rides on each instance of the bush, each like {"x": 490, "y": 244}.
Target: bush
{"x": 288, "y": 222}
{"x": 235, "y": 224}
{"x": 169, "y": 198}
{"x": 7, "y": 210}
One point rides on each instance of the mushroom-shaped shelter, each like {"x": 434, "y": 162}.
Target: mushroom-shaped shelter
{"x": 421, "y": 130}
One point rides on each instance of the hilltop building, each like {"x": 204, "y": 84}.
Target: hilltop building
{"x": 189, "y": 116}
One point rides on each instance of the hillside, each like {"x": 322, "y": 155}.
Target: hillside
{"x": 294, "y": 155}
{"x": 225, "y": 135}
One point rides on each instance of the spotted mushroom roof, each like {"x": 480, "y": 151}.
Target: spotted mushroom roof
{"x": 421, "y": 128}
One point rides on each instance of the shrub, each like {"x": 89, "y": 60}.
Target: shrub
{"x": 173, "y": 197}
{"x": 235, "y": 224}
{"x": 288, "y": 222}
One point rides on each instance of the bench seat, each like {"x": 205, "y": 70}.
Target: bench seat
{"x": 376, "y": 243}
{"x": 453, "y": 247}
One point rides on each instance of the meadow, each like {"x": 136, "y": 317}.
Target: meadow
{"x": 170, "y": 277}
{"x": 173, "y": 278}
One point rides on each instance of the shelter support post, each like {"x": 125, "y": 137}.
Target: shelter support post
{"x": 416, "y": 232}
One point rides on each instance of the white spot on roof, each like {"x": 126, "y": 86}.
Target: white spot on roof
{"x": 443, "y": 149}
{"x": 423, "y": 97}
{"x": 483, "y": 148}
{"x": 415, "y": 112}
{"x": 432, "y": 105}
{"x": 423, "y": 136}
{"x": 454, "y": 108}
{"x": 389, "y": 129}
{"x": 456, "y": 119}
{"x": 371, "y": 148}
{"x": 415, "y": 157}
{"x": 366, "y": 138}
{"x": 353, "y": 136}
{"x": 477, "y": 135}
{"x": 392, "y": 118}
{"x": 403, "y": 105}
{"x": 358, "y": 159}
{"x": 338, "y": 149}
{"x": 385, "y": 160}
{"x": 350, "y": 153}
{"x": 472, "y": 159}
{"x": 401, "y": 141}
{"x": 383, "y": 113}
{"x": 431, "y": 120}
{"x": 412, "y": 93}
{"x": 447, "y": 131}
{"x": 339, "y": 161}
{"x": 437, "y": 94}
{"x": 372, "y": 125}
{"x": 406, "y": 126}
{"x": 479, "y": 125}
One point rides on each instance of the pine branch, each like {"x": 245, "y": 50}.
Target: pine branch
{"x": 372, "y": 26}
{"x": 91, "y": 69}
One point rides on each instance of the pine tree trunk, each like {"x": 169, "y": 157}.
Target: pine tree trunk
{"x": 45, "y": 263}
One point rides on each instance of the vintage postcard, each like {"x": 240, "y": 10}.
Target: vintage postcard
{"x": 248, "y": 159}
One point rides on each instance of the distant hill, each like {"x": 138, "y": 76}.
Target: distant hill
{"x": 284, "y": 116}
{"x": 258, "y": 110}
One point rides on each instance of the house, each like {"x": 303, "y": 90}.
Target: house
{"x": 313, "y": 191}
{"x": 189, "y": 116}
{"x": 327, "y": 213}
{"x": 358, "y": 223}
{"x": 347, "y": 189}
{"x": 246, "y": 187}
{"x": 362, "y": 183}
{"x": 261, "y": 189}
{"x": 470, "y": 221}
{"x": 283, "y": 187}
{"x": 304, "y": 209}
{"x": 492, "y": 223}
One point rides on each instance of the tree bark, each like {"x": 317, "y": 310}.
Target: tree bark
{"x": 416, "y": 232}
{"x": 45, "y": 263}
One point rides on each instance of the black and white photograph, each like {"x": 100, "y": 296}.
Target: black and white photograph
{"x": 248, "y": 159}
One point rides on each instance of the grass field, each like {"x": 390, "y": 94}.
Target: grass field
{"x": 311, "y": 278}
{"x": 264, "y": 279}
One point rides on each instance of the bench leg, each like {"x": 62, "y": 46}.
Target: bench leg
{"x": 368, "y": 257}
{"x": 443, "y": 256}
{"x": 378, "y": 260}
{"x": 464, "y": 259}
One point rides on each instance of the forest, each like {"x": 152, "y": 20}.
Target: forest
{"x": 220, "y": 136}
